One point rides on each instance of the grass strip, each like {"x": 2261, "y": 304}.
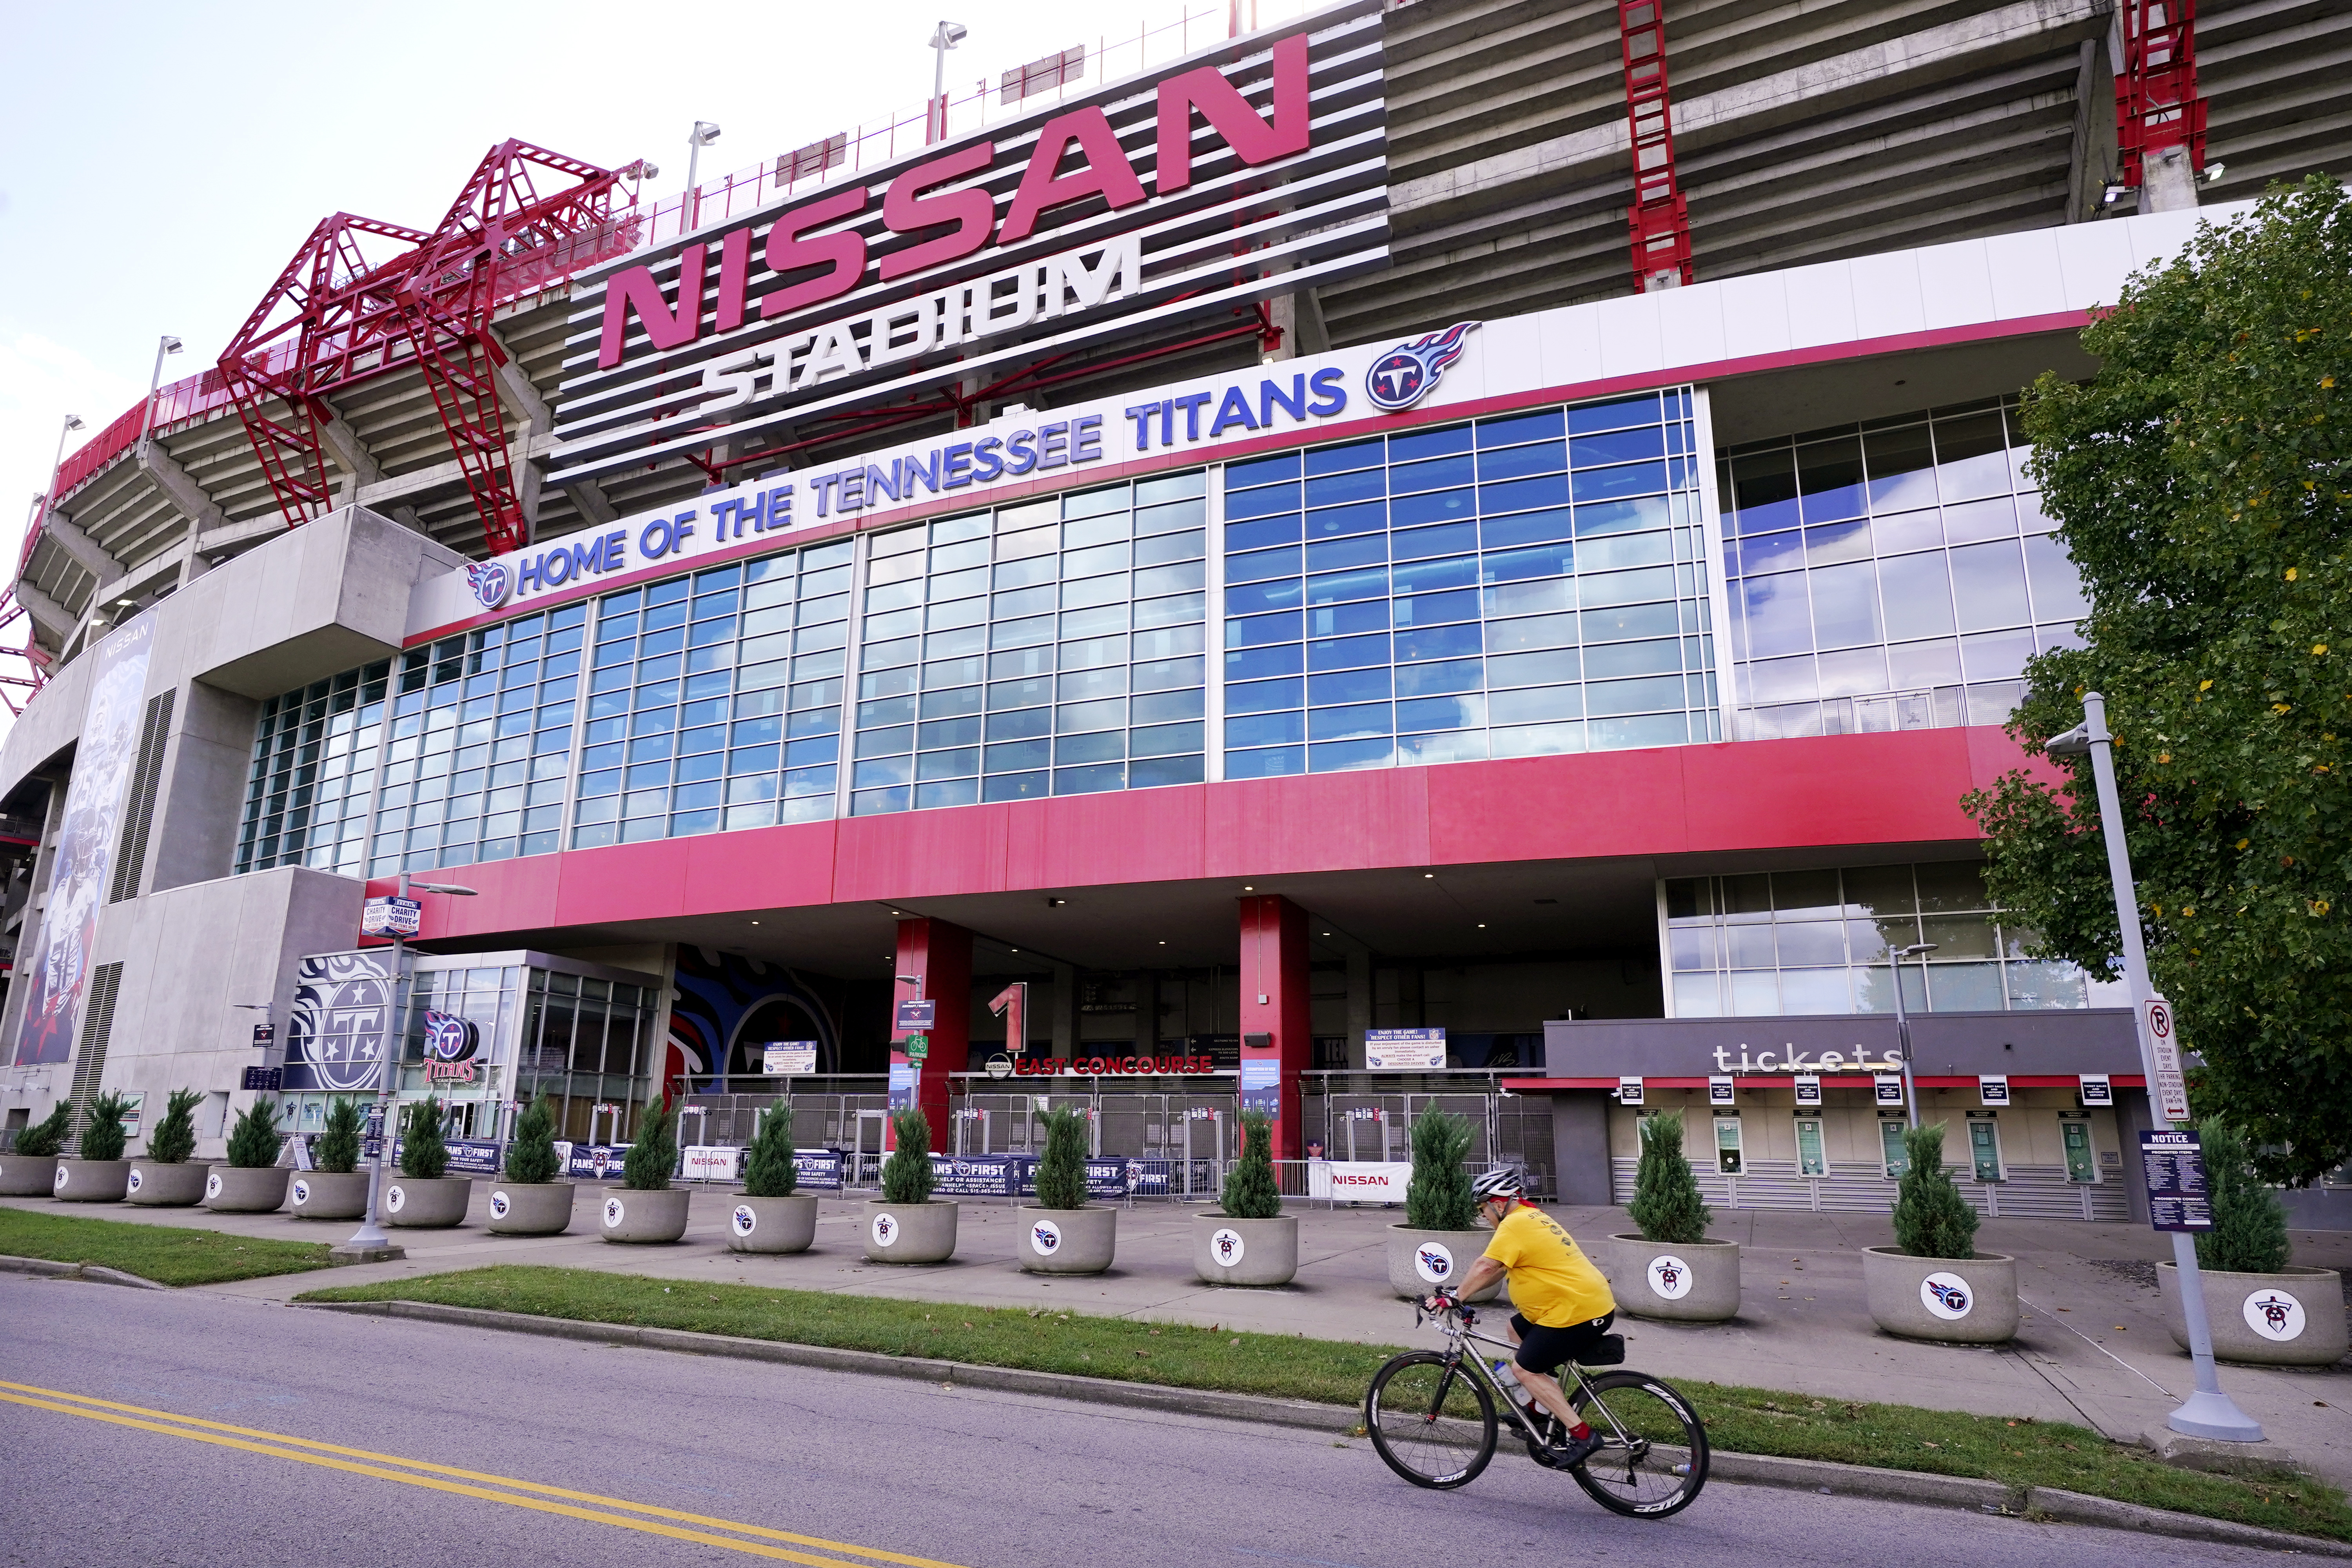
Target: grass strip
{"x": 166, "y": 1254}
{"x": 2018, "y": 1453}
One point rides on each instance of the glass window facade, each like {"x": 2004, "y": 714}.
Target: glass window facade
{"x": 1890, "y": 575}
{"x": 1515, "y": 586}
{"x": 1787, "y": 942}
{"x": 314, "y": 763}
{"x": 584, "y": 1041}
{"x": 1052, "y": 647}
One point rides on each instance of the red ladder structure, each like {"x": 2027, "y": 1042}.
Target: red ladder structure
{"x": 1659, "y": 221}
{"x": 426, "y": 303}
{"x": 2156, "y": 106}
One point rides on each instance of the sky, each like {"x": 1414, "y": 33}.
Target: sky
{"x": 160, "y": 163}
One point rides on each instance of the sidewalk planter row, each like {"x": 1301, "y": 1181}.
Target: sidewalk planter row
{"x": 1421, "y": 1260}
{"x": 28, "y": 1175}
{"x": 773, "y": 1225}
{"x": 1960, "y": 1300}
{"x": 634, "y": 1216}
{"x": 1673, "y": 1282}
{"x": 910, "y": 1233}
{"x": 530, "y": 1208}
{"x": 1066, "y": 1241}
{"x": 328, "y": 1194}
{"x": 2291, "y": 1319}
{"x": 157, "y": 1184}
{"x": 90, "y": 1181}
{"x": 241, "y": 1189}
{"x": 1227, "y": 1251}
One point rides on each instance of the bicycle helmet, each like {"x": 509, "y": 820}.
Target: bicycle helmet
{"x": 1497, "y": 1183}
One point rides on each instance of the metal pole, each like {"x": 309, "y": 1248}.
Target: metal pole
{"x": 167, "y": 344}
{"x": 1903, "y": 1040}
{"x": 57, "y": 464}
{"x": 371, "y": 1234}
{"x": 2208, "y": 1412}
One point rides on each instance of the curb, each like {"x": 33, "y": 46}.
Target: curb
{"x": 1819, "y": 1476}
{"x": 96, "y": 1273}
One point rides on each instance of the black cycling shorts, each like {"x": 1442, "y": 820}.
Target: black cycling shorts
{"x": 1546, "y": 1350}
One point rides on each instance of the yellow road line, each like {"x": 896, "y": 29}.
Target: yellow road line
{"x": 175, "y": 1425}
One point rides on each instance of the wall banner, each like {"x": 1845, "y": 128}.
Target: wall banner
{"x": 59, "y": 966}
{"x": 343, "y": 1009}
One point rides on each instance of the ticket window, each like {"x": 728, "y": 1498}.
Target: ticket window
{"x": 1728, "y": 1145}
{"x": 1812, "y": 1157}
{"x": 1892, "y": 1153}
{"x": 2081, "y": 1165}
{"x": 1984, "y": 1148}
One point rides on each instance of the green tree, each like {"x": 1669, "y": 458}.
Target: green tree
{"x": 1931, "y": 1219}
{"x": 1438, "y": 1197}
{"x": 339, "y": 1146}
{"x": 103, "y": 1138}
{"x": 46, "y": 1136}
{"x": 647, "y": 1167}
{"x": 530, "y": 1157}
{"x": 767, "y": 1168}
{"x": 175, "y": 1138}
{"x": 1250, "y": 1190}
{"x": 906, "y": 1173}
{"x": 1062, "y": 1170}
{"x": 2249, "y": 1234}
{"x": 423, "y": 1154}
{"x": 1666, "y": 1205}
{"x": 253, "y": 1142}
{"x": 2202, "y": 483}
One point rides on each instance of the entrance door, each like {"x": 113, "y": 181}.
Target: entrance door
{"x": 1891, "y": 1152}
{"x": 866, "y": 1151}
{"x": 1984, "y": 1149}
{"x": 1728, "y": 1145}
{"x": 2082, "y": 1165}
{"x": 1813, "y": 1159}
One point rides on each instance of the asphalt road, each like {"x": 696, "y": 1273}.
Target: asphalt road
{"x": 323, "y": 1425}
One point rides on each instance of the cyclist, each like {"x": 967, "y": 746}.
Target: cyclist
{"x": 1564, "y": 1303}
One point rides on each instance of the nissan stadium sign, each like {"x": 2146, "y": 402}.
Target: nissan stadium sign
{"x": 1211, "y": 183}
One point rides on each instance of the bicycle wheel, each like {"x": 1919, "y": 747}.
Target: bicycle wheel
{"x": 1653, "y": 1458}
{"x": 1432, "y": 1420}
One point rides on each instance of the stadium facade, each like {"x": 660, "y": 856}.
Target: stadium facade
{"x": 1216, "y": 567}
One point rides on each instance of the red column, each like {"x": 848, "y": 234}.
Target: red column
{"x": 935, "y": 962}
{"x": 1273, "y": 1012}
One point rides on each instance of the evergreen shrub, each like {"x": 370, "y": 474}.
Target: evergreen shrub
{"x": 767, "y": 1168}
{"x": 1062, "y": 1170}
{"x": 906, "y": 1173}
{"x": 1439, "y": 1197}
{"x": 337, "y": 1150}
{"x": 2249, "y": 1234}
{"x": 46, "y": 1136}
{"x": 103, "y": 1138}
{"x": 253, "y": 1142}
{"x": 654, "y": 1155}
{"x": 530, "y": 1157}
{"x": 423, "y": 1154}
{"x": 1931, "y": 1219}
{"x": 175, "y": 1138}
{"x": 1666, "y": 1205}
{"x": 1250, "y": 1190}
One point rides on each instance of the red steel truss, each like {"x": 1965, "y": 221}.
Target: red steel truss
{"x": 426, "y": 304}
{"x": 2156, "y": 106}
{"x": 1659, "y": 222}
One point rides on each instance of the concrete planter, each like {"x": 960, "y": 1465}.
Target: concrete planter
{"x": 428, "y": 1203}
{"x": 910, "y": 1233}
{"x": 771, "y": 1224}
{"x": 1245, "y": 1251}
{"x": 328, "y": 1194}
{"x": 1967, "y": 1301}
{"x": 641, "y": 1217}
{"x": 90, "y": 1181}
{"x": 159, "y": 1186}
{"x": 241, "y": 1189}
{"x": 530, "y": 1208}
{"x": 2290, "y": 1319}
{"x": 1067, "y": 1241}
{"x": 28, "y": 1175}
{"x": 1676, "y": 1282}
{"x": 1421, "y": 1260}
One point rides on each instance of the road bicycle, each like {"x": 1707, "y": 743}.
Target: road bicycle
{"x": 1433, "y": 1415}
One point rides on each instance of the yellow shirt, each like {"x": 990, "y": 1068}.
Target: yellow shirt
{"x": 1553, "y": 1284}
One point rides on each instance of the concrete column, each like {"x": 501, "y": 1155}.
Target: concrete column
{"x": 1065, "y": 1016}
{"x": 1273, "y": 982}
{"x": 935, "y": 962}
{"x": 2168, "y": 185}
{"x": 1359, "y": 1003}
{"x": 2134, "y": 1116}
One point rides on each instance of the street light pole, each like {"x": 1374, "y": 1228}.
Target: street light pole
{"x": 703, "y": 134}
{"x": 2208, "y": 1412}
{"x": 57, "y": 463}
{"x": 1903, "y": 1022}
{"x": 369, "y": 1241}
{"x": 166, "y": 345}
{"x": 944, "y": 37}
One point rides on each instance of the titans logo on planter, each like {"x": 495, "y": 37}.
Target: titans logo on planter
{"x": 1404, "y": 375}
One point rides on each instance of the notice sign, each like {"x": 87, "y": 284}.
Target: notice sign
{"x": 1809, "y": 1089}
{"x": 788, "y": 1059}
{"x": 1890, "y": 1088}
{"x": 2096, "y": 1090}
{"x": 916, "y": 1013}
{"x": 2171, "y": 1089}
{"x": 2178, "y": 1197}
{"x": 1405, "y": 1050}
{"x": 1719, "y": 1091}
{"x": 902, "y": 1086}
{"x": 1992, "y": 1089}
{"x": 264, "y": 1037}
{"x": 1629, "y": 1092}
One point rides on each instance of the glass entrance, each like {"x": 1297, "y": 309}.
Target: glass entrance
{"x": 1812, "y": 1159}
{"x": 1728, "y": 1145}
{"x": 2082, "y": 1165}
{"x": 1984, "y": 1148}
{"x": 1891, "y": 1152}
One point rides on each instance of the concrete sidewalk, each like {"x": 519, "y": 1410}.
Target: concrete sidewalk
{"x": 2093, "y": 1348}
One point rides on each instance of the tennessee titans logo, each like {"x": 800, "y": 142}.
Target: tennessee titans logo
{"x": 491, "y": 582}
{"x": 449, "y": 1038}
{"x": 1668, "y": 1274}
{"x": 1954, "y": 1298}
{"x": 1436, "y": 1265}
{"x": 1402, "y": 376}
